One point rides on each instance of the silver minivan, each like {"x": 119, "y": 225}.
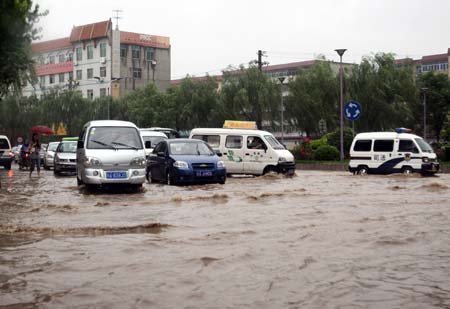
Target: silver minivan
{"x": 110, "y": 152}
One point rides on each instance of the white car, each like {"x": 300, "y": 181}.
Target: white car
{"x": 66, "y": 157}
{"x": 151, "y": 139}
{"x": 49, "y": 157}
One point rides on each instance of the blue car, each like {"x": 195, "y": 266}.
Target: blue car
{"x": 176, "y": 161}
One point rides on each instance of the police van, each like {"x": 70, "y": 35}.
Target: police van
{"x": 391, "y": 152}
{"x": 246, "y": 150}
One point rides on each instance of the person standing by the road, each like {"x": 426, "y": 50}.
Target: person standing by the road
{"x": 35, "y": 148}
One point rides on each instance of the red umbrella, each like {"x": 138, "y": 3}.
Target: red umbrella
{"x": 42, "y": 130}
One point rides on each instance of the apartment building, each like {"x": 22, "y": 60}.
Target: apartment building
{"x": 100, "y": 61}
{"x": 437, "y": 63}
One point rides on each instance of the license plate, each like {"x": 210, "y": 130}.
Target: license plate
{"x": 204, "y": 174}
{"x": 116, "y": 175}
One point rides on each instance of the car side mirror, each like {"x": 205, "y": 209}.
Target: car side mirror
{"x": 161, "y": 154}
{"x": 80, "y": 144}
{"x": 218, "y": 152}
{"x": 148, "y": 144}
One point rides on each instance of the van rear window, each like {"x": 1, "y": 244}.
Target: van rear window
{"x": 383, "y": 145}
{"x": 363, "y": 145}
{"x": 4, "y": 143}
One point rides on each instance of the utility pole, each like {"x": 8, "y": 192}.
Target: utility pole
{"x": 260, "y": 53}
{"x": 424, "y": 90}
{"x": 341, "y": 113}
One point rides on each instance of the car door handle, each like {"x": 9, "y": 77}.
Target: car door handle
{"x": 247, "y": 154}
{"x": 224, "y": 153}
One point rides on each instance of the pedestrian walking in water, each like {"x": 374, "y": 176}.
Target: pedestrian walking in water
{"x": 35, "y": 148}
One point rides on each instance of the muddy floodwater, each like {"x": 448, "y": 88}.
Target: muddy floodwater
{"x": 317, "y": 240}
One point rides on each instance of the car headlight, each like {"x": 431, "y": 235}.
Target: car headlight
{"x": 282, "y": 159}
{"x": 220, "y": 164}
{"x": 92, "y": 161}
{"x": 138, "y": 161}
{"x": 180, "y": 164}
{"x": 425, "y": 160}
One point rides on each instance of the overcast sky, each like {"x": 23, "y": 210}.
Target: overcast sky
{"x": 209, "y": 35}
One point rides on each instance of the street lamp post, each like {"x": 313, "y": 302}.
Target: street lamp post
{"x": 424, "y": 90}
{"x": 281, "y": 79}
{"x": 341, "y": 113}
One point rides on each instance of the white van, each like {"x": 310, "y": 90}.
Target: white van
{"x": 247, "y": 151}
{"x": 151, "y": 139}
{"x": 391, "y": 152}
{"x": 110, "y": 151}
{"x": 6, "y": 155}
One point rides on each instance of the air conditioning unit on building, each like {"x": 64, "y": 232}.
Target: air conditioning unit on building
{"x": 102, "y": 60}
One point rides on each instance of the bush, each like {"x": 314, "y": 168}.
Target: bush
{"x": 334, "y": 139}
{"x": 303, "y": 151}
{"x": 326, "y": 153}
{"x": 319, "y": 142}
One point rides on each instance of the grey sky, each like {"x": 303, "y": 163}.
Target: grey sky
{"x": 209, "y": 35}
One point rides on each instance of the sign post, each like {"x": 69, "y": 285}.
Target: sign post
{"x": 352, "y": 112}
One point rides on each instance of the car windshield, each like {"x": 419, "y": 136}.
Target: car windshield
{"x": 154, "y": 140}
{"x": 4, "y": 143}
{"x": 52, "y": 147}
{"x": 68, "y": 147}
{"x": 423, "y": 145}
{"x": 190, "y": 148}
{"x": 114, "y": 138}
{"x": 273, "y": 142}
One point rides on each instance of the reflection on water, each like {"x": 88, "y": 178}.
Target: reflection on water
{"x": 320, "y": 239}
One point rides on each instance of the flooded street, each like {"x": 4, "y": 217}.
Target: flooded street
{"x": 320, "y": 239}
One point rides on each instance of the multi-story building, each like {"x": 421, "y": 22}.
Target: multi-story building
{"x": 99, "y": 61}
{"x": 438, "y": 63}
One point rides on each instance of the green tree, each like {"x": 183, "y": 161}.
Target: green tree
{"x": 17, "y": 31}
{"x": 313, "y": 95}
{"x": 250, "y": 95}
{"x": 386, "y": 93}
{"x": 438, "y": 101}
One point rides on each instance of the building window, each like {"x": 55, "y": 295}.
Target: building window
{"x": 102, "y": 92}
{"x": 135, "y": 52}
{"x": 123, "y": 51}
{"x": 70, "y": 57}
{"x": 70, "y": 75}
{"x": 90, "y": 51}
{"x": 79, "y": 52}
{"x": 61, "y": 77}
{"x": 102, "y": 49}
{"x": 90, "y": 94}
{"x": 51, "y": 59}
{"x": 90, "y": 73}
{"x": 150, "y": 54}
{"x": 61, "y": 58}
{"x": 41, "y": 60}
{"x": 79, "y": 74}
{"x": 102, "y": 71}
{"x": 42, "y": 81}
{"x": 52, "y": 79}
{"x": 137, "y": 73}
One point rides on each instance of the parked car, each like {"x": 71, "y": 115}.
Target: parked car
{"x": 42, "y": 152}
{"x": 170, "y": 133}
{"x": 151, "y": 139}
{"x": 110, "y": 152}
{"x": 6, "y": 155}
{"x": 65, "y": 158}
{"x": 185, "y": 160}
{"x": 49, "y": 157}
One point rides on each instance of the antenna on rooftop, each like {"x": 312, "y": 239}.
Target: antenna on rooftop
{"x": 117, "y": 17}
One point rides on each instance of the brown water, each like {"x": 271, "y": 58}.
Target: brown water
{"x": 321, "y": 239}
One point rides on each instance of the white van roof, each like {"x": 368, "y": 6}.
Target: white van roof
{"x": 153, "y": 133}
{"x": 390, "y": 135}
{"x": 110, "y": 123}
{"x": 228, "y": 131}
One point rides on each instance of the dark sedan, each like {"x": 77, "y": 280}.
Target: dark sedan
{"x": 176, "y": 161}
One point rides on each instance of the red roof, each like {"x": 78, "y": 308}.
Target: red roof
{"x": 435, "y": 58}
{"x": 90, "y": 31}
{"x": 51, "y": 45}
{"x": 144, "y": 39}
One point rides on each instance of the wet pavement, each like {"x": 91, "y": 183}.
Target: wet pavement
{"x": 320, "y": 239}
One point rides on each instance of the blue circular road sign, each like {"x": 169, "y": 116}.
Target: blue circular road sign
{"x": 352, "y": 110}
